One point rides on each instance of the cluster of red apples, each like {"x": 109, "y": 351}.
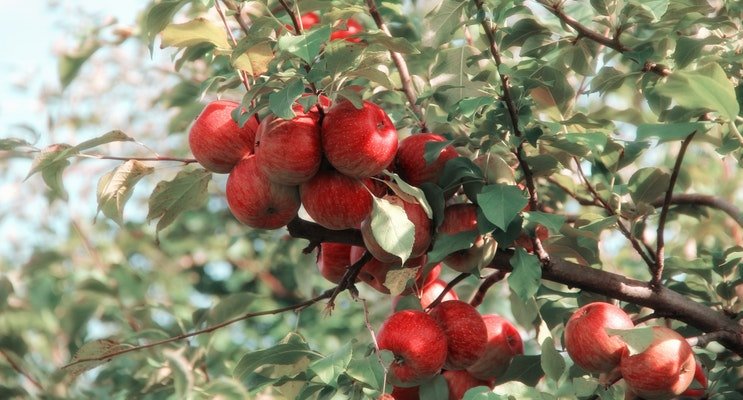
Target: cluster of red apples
{"x": 664, "y": 370}
{"x": 453, "y": 340}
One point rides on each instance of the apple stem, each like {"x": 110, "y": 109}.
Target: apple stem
{"x": 449, "y": 286}
{"x": 486, "y": 284}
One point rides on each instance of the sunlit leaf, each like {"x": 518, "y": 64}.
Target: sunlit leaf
{"x": 116, "y": 187}
{"x": 706, "y": 88}
{"x": 392, "y": 229}
{"x": 187, "y": 191}
{"x": 501, "y": 203}
{"x": 638, "y": 339}
{"x": 93, "y": 354}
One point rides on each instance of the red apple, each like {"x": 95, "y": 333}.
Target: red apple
{"x": 664, "y": 370}
{"x": 277, "y": 138}
{"x": 309, "y": 20}
{"x": 466, "y": 333}
{"x": 421, "y": 225}
{"x": 701, "y": 378}
{"x": 336, "y": 201}
{"x": 410, "y": 162}
{"x": 460, "y": 382}
{"x": 333, "y": 260}
{"x": 256, "y": 201}
{"x": 460, "y": 218}
{"x": 374, "y": 272}
{"x": 433, "y": 290}
{"x": 587, "y": 342}
{"x": 432, "y": 275}
{"x": 217, "y": 141}
{"x": 405, "y": 393}
{"x": 418, "y": 344}
{"x": 358, "y": 142}
{"x": 504, "y": 342}
{"x": 352, "y": 28}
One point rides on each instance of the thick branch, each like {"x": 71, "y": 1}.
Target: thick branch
{"x": 663, "y": 301}
{"x": 660, "y": 241}
{"x": 401, "y": 65}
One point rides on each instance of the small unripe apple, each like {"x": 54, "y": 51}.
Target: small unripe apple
{"x": 504, "y": 342}
{"x": 586, "y": 339}
{"x": 465, "y": 332}
{"x": 421, "y": 235}
{"x": 418, "y": 344}
{"x": 410, "y": 162}
{"x": 217, "y": 141}
{"x": 333, "y": 260}
{"x": 336, "y": 201}
{"x": 461, "y": 381}
{"x": 256, "y": 201}
{"x": 288, "y": 151}
{"x": 662, "y": 371}
{"x": 358, "y": 142}
{"x": 460, "y": 218}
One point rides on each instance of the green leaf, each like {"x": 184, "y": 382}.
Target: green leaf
{"x": 392, "y": 229}
{"x": 656, "y": 8}
{"x": 230, "y": 307}
{"x": 608, "y": 79}
{"x": 435, "y": 389}
{"x": 187, "y": 191}
{"x": 552, "y": 362}
{"x": 446, "y": 18}
{"x": 50, "y": 157}
{"x": 6, "y": 289}
{"x": 280, "y": 103}
{"x": 281, "y": 354}
{"x": 194, "y": 32}
{"x": 13, "y": 143}
{"x": 670, "y": 131}
{"x": 411, "y": 194}
{"x": 305, "y": 46}
{"x": 501, "y": 203}
{"x": 527, "y": 274}
{"x": 585, "y": 386}
{"x": 181, "y": 371}
{"x": 706, "y": 88}
{"x": 396, "y": 44}
{"x": 96, "y": 349}
{"x": 552, "y": 222}
{"x": 687, "y": 50}
{"x": 524, "y": 369}
{"x": 116, "y": 187}
{"x": 447, "y": 244}
{"x": 70, "y": 64}
{"x": 52, "y": 176}
{"x": 637, "y": 339}
{"x": 158, "y": 17}
{"x": 367, "y": 371}
{"x": 648, "y": 184}
{"x": 329, "y": 368}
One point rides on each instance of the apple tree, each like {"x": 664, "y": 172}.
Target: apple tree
{"x": 436, "y": 199}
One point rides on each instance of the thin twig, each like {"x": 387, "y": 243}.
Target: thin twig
{"x": 20, "y": 370}
{"x": 707, "y": 201}
{"x": 158, "y": 158}
{"x": 707, "y": 338}
{"x": 486, "y": 284}
{"x": 243, "y": 74}
{"x": 633, "y": 240}
{"x": 299, "y": 306}
{"x": 370, "y": 328}
{"x": 660, "y": 241}
{"x": 349, "y": 278}
{"x": 235, "y": 8}
{"x": 402, "y": 67}
{"x": 449, "y": 287}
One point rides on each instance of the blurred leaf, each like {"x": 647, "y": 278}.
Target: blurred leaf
{"x": 194, "y": 32}
{"x": 552, "y": 362}
{"x": 52, "y": 176}
{"x": 527, "y": 274}
{"x": 552, "y": 222}
{"x": 181, "y": 371}
{"x": 392, "y": 229}
{"x": 670, "y": 131}
{"x": 446, "y": 18}
{"x": 13, "y": 143}
{"x": 434, "y": 389}
{"x": 116, "y": 187}
{"x": 585, "y": 386}
{"x": 188, "y": 190}
{"x": 158, "y": 17}
{"x": 82, "y": 360}
{"x": 329, "y": 368}
{"x": 501, "y": 203}
{"x": 524, "y": 369}
{"x": 607, "y": 80}
{"x": 648, "y": 184}
{"x": 396, "y": 44}
{"x": 638, "y": 339}
{"x": 6, "y": 289}
{"x": 280, "y": 103}
{"x": 706, "y": 88}
{"x": 305, "y": 46}
{"x": 234, "y": 305}
{"x": 70, "y": 64}
{"x": 282, "y": 354}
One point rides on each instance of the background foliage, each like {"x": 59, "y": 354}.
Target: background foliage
{"x": 606, "y": 92}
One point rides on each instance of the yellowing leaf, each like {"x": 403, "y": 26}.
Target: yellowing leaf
{"x": 397, "y": 279}
{"x": 191, "y": 33}
{"x": 255, "y": 60}
{"x": 93, "y": 354}
{"x": 115, "y": 188}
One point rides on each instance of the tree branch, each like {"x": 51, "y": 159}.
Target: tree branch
{"x": 663, "y": 301}
{"x": 707, "y": 201}
{"x": 449, "y": 286}
{"x": 401, "y": 65}
{"x": 243, "y": 74}
{"x": 660, "y": 241}
{"x": 485, "y": 285}
{"x": 20, "y": 370}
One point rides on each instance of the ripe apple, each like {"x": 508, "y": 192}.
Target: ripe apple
{"x": 217, "y": 141}
{"x": 466, "y": 333}
{"x": 422, "y": 231}
{"x": 461, "y": 381}
{"x": 586, "y": 340}
{"x": 352, "y": 27}
{"x": 336, "y": 201}
{"x": 433, "y": 290}
{"x": 405, "y": 393}
{"x": 418, "y": 344}
{"x": 277, "y": 138}
{"x": 358, "y": 142}
{"x": 410, "y": 162}
{"x": 664, "y": 370}
{"x": 432, "y": 274}
{"x": 333, "y": 260}
{"x": 701, "y": 378}
{"x": 460, "y": 218}
{"x": 504, "y": 342}
{"x": 256, "y": 201}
